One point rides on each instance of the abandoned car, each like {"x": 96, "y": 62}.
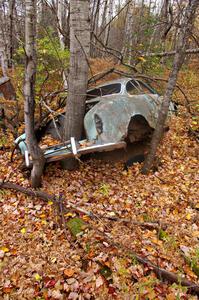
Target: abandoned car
{"x": 118, "y": 112}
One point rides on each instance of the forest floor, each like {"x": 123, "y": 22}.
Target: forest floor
{"x": 86, "y": 258}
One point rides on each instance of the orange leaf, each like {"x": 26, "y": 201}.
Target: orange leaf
{"x": 69, "y": 272}
{"x": 7, "y": 289}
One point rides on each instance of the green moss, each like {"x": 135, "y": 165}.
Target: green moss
{"x": 76, "y": 226}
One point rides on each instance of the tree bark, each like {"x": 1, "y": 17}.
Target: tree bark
{"x": 184, "y": 33}
{"x": 60, "y": 19}
{"x": 10, "y": 38}
{"x": 3, "y": 55}
{"x": 29, "y": 94}
{"x": 95, "y": 9}
{"x": 109, "y": 17}
{"x": 39, "y": 11}
{"x": 78, "y": 74}
{"x": 128, "y": 41}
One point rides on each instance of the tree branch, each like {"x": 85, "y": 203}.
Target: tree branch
{"x": 170, "y": 53}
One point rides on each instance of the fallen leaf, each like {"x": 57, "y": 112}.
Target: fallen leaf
{"x": 99, "y": 281}
{"x": 69, "y": 272}
{"x": 23, "y": 230}
{"x": 37, "y": 277}
{"x": 5, "y": 249}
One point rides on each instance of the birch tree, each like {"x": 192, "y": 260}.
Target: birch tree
{"x": 29, "y": 93}
{"x": 128, "y": 33}
{"x": 10, "y": 37}
{"x": 60, "y": 17}
{"x": 181, "y": 44}
{"x": 109, "y": 17}
{"x": 3, "y": 55}
{"x": 78, "y": 73}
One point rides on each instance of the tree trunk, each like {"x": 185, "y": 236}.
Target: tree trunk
{"x": 110, "y": 15}
{"x": 95, "y": 9}
{"x": 3, "y": 57}
{"x": 60, "y": 19}
{"x": 29, "y": 94}
{"x": 78, "y": 75}
{"x": 39, "y": 12}
{"x": 185, "y": 30}
{"x": 128, "y": 41}
{"x": 10, "y": 38}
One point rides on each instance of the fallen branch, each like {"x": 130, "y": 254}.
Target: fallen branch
{"x": 162, "y": 274}
{"x": 47, "y": 197}
{"x": 100, "y": 75}
{"x": 170, "y": 53}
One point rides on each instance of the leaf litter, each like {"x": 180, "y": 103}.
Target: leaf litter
{"x": 41, "y": 260}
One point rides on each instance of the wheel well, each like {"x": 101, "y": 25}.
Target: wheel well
{"x": 138, "y": 129}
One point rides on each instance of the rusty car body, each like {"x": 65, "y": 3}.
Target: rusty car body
{"x": 118, "y": 112}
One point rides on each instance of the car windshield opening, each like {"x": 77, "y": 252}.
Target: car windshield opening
{"x": 105, "y": 90}
{"x": 135, "y": 87}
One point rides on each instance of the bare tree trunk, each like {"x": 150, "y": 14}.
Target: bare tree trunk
{"x": 94, "y": 26}
{"x": 29, "y": 94}
{"x": 110, "y": 15}
{"x": 60, "y": 18}
{"x": 185, "y": 30}
{"x": 3, "y": 57}
{"x": 10, "y": 38}
{"x": 39, "y": 11}
{"x": 128, "y": 33}
{"x": 78, "y": 76}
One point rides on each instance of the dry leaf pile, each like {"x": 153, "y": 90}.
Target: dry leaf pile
{"x": 45, "y": 255}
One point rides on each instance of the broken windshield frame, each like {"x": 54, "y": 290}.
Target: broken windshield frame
{"x": 136, "y": 87}
{"x": 105, "y": 90}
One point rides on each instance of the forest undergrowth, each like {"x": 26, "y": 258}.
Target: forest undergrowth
{"x": 48, "y": 254}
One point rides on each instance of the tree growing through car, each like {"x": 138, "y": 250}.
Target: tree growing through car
{"x": 78, "y": 72}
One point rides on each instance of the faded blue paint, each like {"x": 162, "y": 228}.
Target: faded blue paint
{"x": 20, "y": 141}
{"x": 116, "y": 111}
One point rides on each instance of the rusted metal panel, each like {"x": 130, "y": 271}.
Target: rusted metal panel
{"x": 116, "y": 112}
{"x": 108, "y": 116}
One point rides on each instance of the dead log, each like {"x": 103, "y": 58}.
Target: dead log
{"x": 161, "y": 273}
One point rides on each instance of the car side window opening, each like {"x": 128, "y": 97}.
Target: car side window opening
{"x": 104, "y": 91}
{"x": 135, "y": 87}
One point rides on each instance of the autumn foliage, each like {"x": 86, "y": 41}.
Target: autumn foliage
{"x": 45, "y": 254}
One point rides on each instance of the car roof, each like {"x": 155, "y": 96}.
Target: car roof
{"x": 115, "y": 81}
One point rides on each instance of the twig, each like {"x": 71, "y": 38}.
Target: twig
{"x": 111, "y": 50}
{"x": 53, "y": 119}
{"x": 61, "y": 211}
